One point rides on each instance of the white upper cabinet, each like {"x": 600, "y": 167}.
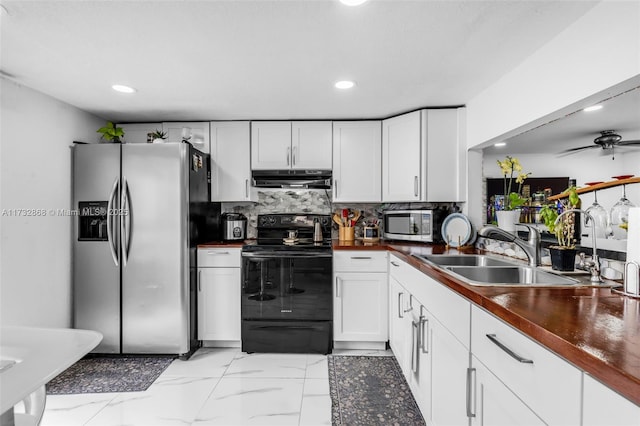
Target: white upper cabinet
{"x": 401, "y": 158}
{"x": 443, "y": 167}
{"x": 196, "y": 132}
{"x": 139, "y": 132}
{"x": 311, "y": 145}
{"x": 230, "y": 164}
{"x": 270, "y": 145}
{"x": 357, "y": 161}
{"x": 281, "y": 145}
{"x": 420, "y": 156}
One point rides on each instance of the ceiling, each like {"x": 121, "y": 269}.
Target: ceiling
{"x": 620, "y": 112}
{"x": 222, "y": 60}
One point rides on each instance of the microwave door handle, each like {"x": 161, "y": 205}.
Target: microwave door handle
{"x": 113, "y": 248}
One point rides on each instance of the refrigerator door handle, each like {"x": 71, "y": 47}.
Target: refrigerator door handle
{"x": 113, "y": 248}
{"x": 125, "y": 222}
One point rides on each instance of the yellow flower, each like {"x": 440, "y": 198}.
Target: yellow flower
{"x": 516, "y": 165}
{"x": 521, "y": 177}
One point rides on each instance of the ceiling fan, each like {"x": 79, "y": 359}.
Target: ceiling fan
{"x": 608, "y": 139}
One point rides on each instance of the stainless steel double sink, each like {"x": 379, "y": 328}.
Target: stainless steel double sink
{"x": 481, "y": 270}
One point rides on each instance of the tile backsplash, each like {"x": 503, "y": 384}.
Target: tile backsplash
{"x": 316, "y": 201}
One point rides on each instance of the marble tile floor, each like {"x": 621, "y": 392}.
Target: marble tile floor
{"x": 215, "y": 387}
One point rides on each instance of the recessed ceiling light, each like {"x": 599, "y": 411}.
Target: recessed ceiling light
{"x": 592, "y": 108}
{"x": 499, "y": 144}
{"x": 352, "y": 2}
{"x": 123, "y": 89}
{"x": 344, "y": 84}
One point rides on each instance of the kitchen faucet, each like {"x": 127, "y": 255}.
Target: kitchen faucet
{"x": 531, "y": 246}
{"x": 594, "y": 263}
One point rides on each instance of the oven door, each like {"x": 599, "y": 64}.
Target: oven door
{"x": 287, "y": 285}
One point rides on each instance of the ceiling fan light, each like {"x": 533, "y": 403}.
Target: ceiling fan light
{"x": 592, "y": 108}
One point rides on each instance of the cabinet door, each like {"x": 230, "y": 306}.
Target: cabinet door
{"x": 449, "y": 363}
{"x": 602, "y": 406}
{"x": 230, "y": 161}
{"x": 492, "y": 403}
{"x": 356, "y": 161}
{"x": 401, "y": 158}
{"x": 311, "y": 145}
{"x": 196, "y": 132}
{"x": 270, "y": 145}
{"x": 442, "y": 155}
{"x": 360, "y": 307}
{"x": 219, "y": 304}
{"x": 421, "y": 362}
{"x": 139, "y": 132}
{"x": 400, "y": 325}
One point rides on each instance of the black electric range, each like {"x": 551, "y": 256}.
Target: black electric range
{"x": 287, "y": 286}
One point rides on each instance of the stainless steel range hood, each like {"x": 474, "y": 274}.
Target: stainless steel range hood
{"x": 308, "y": 179}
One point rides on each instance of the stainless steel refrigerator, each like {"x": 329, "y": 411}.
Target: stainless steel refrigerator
{"x": 141, "y": 211}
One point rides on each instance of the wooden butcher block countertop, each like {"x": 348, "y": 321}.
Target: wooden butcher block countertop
{"x": 593, "y": 328}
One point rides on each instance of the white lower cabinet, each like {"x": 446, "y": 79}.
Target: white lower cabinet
{"x": 400, "y": 324}
{"x": 360, "y": 300}
{"x": 219, "y": 320}
{"x": 433, "y": 358}
{"x": 604, "y": 407}
{"x": 544, "y": 382}
{"x": 450, "y": 360}
{"x": 492, "y": 403}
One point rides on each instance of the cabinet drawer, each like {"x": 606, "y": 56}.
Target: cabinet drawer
{"x": 360, "y": 261}
{"x": 219, "y": 257}
{"x": 549, "y": 385}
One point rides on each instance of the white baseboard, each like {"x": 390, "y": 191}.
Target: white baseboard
{"x": 221, "y": 344}
{"x": 378, "y": 346}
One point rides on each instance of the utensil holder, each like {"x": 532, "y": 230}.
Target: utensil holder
{"x": 346, "y": 233}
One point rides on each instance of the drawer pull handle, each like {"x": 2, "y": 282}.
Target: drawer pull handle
{"x": 217, "y": 252}
{"x": 511, "y": 353}
{"x": 395, "y": 264}
{"x": 361, "y": 257}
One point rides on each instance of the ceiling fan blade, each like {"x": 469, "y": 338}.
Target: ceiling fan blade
{"x": 580, "y": 148}
{"x": 630, "y": 142}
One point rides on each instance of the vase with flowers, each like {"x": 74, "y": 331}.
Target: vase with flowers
{"x": 509, "y": 213}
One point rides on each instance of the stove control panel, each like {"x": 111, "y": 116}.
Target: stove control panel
{"x": 289, "y": 221}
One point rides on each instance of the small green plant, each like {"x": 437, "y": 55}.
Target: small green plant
{"x": 110, "y": 132}
{"x": 159, "y": 134}
{"x": 564, "y": 230}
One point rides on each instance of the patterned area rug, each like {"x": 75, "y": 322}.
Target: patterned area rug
{"x": 367, "y": 390}
{"x": 109, "y": 374}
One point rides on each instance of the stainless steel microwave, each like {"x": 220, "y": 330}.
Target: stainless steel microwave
{"x": 414, "y": 225}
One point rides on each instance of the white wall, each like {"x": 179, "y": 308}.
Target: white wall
{"x": 553, "y": 81}
{"x": 35, "y": 252}
{"x": 598, "y": 51}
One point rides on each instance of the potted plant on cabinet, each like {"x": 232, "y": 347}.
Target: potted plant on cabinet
{"x": 158, "y": 136}
{"x": 509, "y": 213}
{"x": 111, "y": 133}
{"x": 563, "y": 254}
